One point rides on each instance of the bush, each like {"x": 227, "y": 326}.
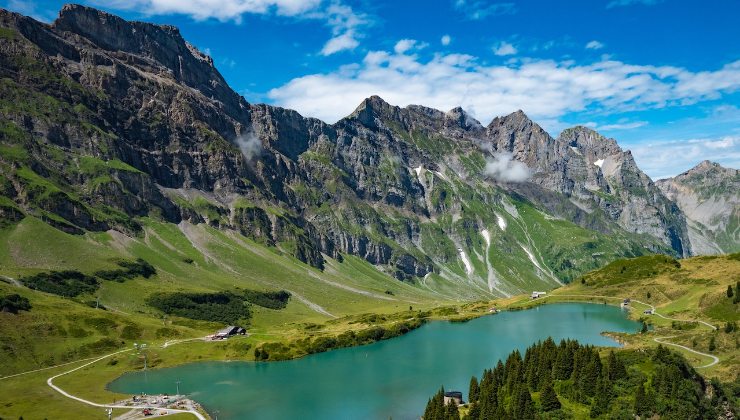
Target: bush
{"x": 130, "y": 270}
{"x": 224, "y": 307}
{"x": 270, "y": 300}
{"x": 14, "y": 303}
{"x": 68, "y": 283}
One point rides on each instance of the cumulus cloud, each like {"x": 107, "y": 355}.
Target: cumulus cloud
{"x": 481, "y": 9}
{"x": 663, "y": 159}
{"x": 346, "y": 25}
{"x": 594, "y": 45}
{"x": 223, "y": 10}
{"x": 404, "y": 45}
{"x": 621, "y": 3}
{"x": 502, "y": 167}
{"x": 621, "y": 125}
{"x": 250, "y": 145}
{"x": 504, "y": 48}
{"x": 545, "y": 89}
{"x": 445, "y": 40}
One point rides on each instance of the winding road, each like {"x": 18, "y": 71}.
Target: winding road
{"x": 660, "y": 340}
{"x": 50, "y": 382}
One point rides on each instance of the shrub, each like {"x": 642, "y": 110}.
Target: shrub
{"x": 129, "y": 270}
{"x": 14, "y": 303}
{"x": 224, "y": 307}
{"x": 68, "y": 283}
{"x": 270, "y": 300}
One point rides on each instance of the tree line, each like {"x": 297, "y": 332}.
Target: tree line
{"x": 619, "y": 386}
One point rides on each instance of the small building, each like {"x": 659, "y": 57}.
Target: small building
{"x": 648, "y": 312}
{"x": 625, "y": 303}
{"x": 228, "y": 332}
{"x": 453, "y": 396}
{"x": 536, "y": 295}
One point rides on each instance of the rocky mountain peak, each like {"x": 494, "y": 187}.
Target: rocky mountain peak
{"x": 589, "y": 143}
{"x": 373, "y": 108}
{"x": 155, "y": 49}
{"x": 462, "y": 119}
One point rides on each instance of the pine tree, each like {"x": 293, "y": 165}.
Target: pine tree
{"x": 712, "y": 345}
{"x": 451, "y": 412}
{"x": 435, "y": 409}
{"x": 643, "y": 403}
{"x": 523, "y": 407}
{"x": 603, "y": 397}
{"x": 474, "y": 390}
{"x": 616, "y": 367}
{"x": 549, "y": 398}
{"x": 729, "y": 291}
{"x": 644, "y": 328}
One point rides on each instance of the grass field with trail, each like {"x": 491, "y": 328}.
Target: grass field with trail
{"x": 348, "y": 295}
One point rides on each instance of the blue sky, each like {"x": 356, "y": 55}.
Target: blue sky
{"x": 660, "y": 76}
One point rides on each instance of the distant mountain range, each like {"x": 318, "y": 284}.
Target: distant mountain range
{"x": 106, "y": 123}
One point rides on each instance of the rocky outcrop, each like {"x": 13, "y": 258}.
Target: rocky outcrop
{"x": 708, "y": 196}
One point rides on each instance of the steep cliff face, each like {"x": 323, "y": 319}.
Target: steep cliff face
{"x": 594, "y": 173}
{"x": 708, "y": 195}
{"x": 105, "y": 122}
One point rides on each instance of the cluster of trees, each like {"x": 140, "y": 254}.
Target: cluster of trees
{"x": 14, "y": 303}
{"x": 67, "y": 283}
{"x": 72, "y": 283}
{"x": 620, "y": 386}
{"x": 129, "y": 270}
{"x": 281, "y": 351}
{"x": 270, "y": 300}
{"x": 224, "y": 307}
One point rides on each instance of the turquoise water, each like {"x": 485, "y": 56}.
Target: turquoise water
{"x": 392, "y": 378}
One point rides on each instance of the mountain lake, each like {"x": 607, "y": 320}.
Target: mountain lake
{"x": 388, "y": 379}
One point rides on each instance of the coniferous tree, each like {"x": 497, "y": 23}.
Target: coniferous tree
{"x": 523, "y": 407}
{"x": 643, "y": 401}
{"x": 474, "y": 390}
{"x": 644, "y": 328}
{"x": 564, "y": 361}
{"x": 603, "y": 397}
{"x": 549, "y": 398}
{"x": 616, "y": 367}
{"x": 435, "y": 407}
{"x": 590, "y": 375}
{"x": 451, "y": 412}
{"x": 729, "y": 291}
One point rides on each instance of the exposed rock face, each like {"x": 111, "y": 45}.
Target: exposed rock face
{"x": 138, "y": 115}
{"x": 709, "y": 196}
{"x": 595, "y": 173}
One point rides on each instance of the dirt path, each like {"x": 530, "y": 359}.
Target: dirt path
{"x": 660, "y": 340}
{"x": 50, "y": 382}
{"x": 715, "y": 359}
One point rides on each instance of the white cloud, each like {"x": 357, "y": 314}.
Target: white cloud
{"x": 481, "y": 9}
{"x": 594, "y": 45}
{"x": 404, "y": 45}
{"x": 503, "y": 168}
{"x": 446, "y": 40}
{"x": 345, "y": 24}
{"x": 545, "y": 89}
{"x": 504, "y": 48}
{"x": 665, "y": 159}
{"x": 223, "y": 10}
{"x": 621, "y": 3}
{"x": 617, "y": 126}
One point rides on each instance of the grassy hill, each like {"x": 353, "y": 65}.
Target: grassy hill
{"x": 683, "y": 292}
